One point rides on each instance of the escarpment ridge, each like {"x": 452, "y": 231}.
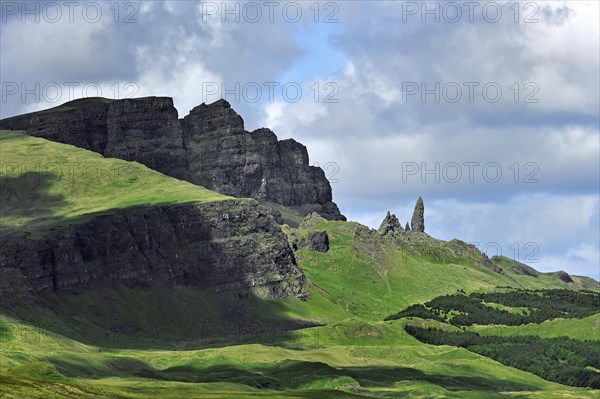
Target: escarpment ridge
{"x": 208, "y": 147}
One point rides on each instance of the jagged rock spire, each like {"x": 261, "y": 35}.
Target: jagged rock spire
{"x": 407, "y": 228}
{"x": 390, "y": 225}
{"x": 418, "y": 220}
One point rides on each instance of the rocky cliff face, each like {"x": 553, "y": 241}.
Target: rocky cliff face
{"x": 218, "y": 246}
{"x": 208, "y": 147}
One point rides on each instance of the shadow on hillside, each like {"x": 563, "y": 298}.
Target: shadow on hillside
{"x": 28, "y": 195}
{"x": 146, "y": 281}
{"x": 285, "y": 375}
{"x": 166, "y": 318}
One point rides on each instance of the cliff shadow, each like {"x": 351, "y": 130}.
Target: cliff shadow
{"x": 28, "y": 196}
{"x": 284, "y": 375}
{"x": 167, "y": 318}
{"x": 128, "y": 280}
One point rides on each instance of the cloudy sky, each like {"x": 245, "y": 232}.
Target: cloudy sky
{"x": 489, "y": 110}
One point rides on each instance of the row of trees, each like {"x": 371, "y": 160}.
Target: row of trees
{"x": 548, "y": 304}
{"x": 563, "y": 360}
{"x": 467, "y": 310}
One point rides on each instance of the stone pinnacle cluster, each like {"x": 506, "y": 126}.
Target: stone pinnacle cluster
{"x": 391, "y": 224}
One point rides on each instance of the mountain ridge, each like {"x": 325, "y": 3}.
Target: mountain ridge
{"x": 208, "y": 147}
{"x": 64, "y": 231}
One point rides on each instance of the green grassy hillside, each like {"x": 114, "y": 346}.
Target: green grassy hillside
{"x": 371, "y": 277}
{"x": 117, "y": 342}
{"x": 45, "y": 184}
{"x": 36, "y": 364}
{"x": 520, "y": 272}
{"x": 354, "y": 354}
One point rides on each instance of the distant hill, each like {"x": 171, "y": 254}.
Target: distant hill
{"x": 516, "y": 268}
{"x": 367, "y": 274}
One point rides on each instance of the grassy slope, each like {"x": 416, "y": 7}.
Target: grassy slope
{"x": 353, "y": 286}
{"x": 373, "y": 277}
{"x": 520, "y": 270}
{"x": 354, "y": 354}
{"x": 45, "y": 184}
{"x": 55, "y": 367}
{"x": 586, "y": 328}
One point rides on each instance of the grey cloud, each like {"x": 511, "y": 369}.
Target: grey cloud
{"x": 106, "y": 51}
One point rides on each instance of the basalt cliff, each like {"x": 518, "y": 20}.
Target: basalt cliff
{"x": 208, "y": 147}
{"x": 222, "y": 246}
{"x": 218, "y": 246}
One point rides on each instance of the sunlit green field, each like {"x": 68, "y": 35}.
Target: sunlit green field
{"x": 376, "y": 360}
{"x": 586, "y": 328}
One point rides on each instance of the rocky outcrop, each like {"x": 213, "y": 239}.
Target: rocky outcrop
{"x": 219, "y": 246}
{"x": 407, "y": 227}
{"x": 224, "y": 157}
{"x": 563, "y": 276}
{"x": 417, "y": 222}
{"x": 362, "y": 231}
{"x": 390, "y": 225}
{"x": 318, "y": 241}
{"x": 208, "y": 147}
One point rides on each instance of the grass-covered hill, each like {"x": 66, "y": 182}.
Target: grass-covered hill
{"x": 559, "y": 358}
{"x": 370, "y": 276}
{"x": 140, "y": 229}
{"x": 121, "y": 342}
{"x": 47, "y": 184}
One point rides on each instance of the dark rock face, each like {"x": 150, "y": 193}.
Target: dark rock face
{"x": 147, "y": 132}
{"x": 417, "y": 222}
{"x": 390, "y": 225}
{"x": 318, "y": 241}
{"x": 218, "y": 246}
{"x": 407, "y": 227}
{"x": 564, "y": 276}
{"x": 208, "y": 147}
{"x": 224, "y": 157}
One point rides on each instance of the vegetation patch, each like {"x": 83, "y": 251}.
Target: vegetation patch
{"x": 44, "y": 184}
{"x": 563, "y": 360}
{"x": 537, "y": 306}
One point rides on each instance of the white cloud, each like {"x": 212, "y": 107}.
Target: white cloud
{"x": 578, "y": 260}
